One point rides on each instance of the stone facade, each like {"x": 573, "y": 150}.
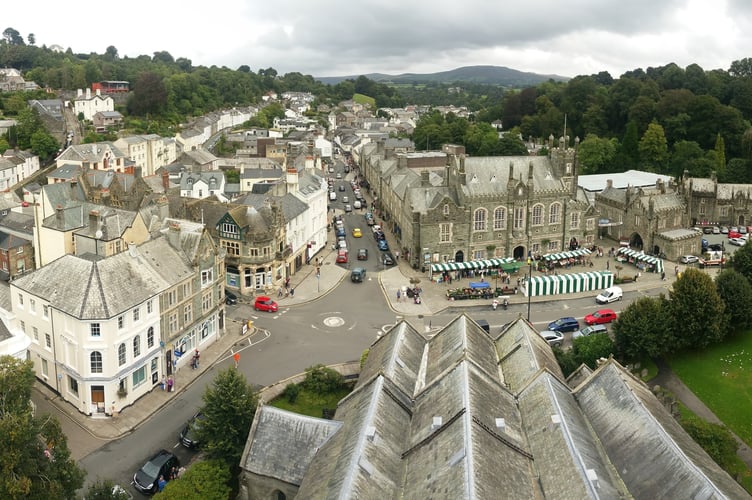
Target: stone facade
{"x": 712, "y": 203}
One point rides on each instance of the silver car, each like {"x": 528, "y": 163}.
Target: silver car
{"x": 554, "y": 339}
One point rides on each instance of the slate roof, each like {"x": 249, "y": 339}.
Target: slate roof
{"x": 490, "y": 174}
{"x": 91, "y": 153}
{"x": 10, "y": 241}
{"x": 18, "y": 222}
{"x": 67, "y": 171}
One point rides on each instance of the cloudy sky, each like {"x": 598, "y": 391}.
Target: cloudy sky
{"x": 353, "y": 37}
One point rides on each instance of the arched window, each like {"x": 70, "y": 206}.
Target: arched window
{"x": 150, "y": 338}
{"x": 121, "y": 354}
{"x": 554, "y": 214}
{"x": 537, "y": 215}
{"x": 479, "y": 220}
{"x": 500, "y": 218}
{"x": 136, "y": 346}
{"x": 95, "y": 360}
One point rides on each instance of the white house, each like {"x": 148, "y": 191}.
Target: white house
{"x": 15, "y": 167}
{"x": 150, "y": 152}
{"x": 201, "y": 185}
{"x": 90, "y": 105}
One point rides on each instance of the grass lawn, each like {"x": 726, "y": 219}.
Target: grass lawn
{"x": 721, "y": 376}
{"x": 309, "y": 403}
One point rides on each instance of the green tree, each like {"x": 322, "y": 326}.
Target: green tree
{"x": 206, "y": 480}
{"x": 43, "y": 144}
{"x": 628, "y": 154}
{"x": 641, "y": 329}
{"x": 716, "y": 440}
{"x": 149, "y": 95}
{"x": 321, "y": 379}
{"x": 34, "y": 456}
{"x": 736, "y": 294}
{"x": 653, "y": 148}
{"x": 105, "y": 489}
{"x": 229, "y": 407}
{"x": 590, "y": 349}
{"x": 720, "y": 156}
{"x": 596, "y": 154}
{"x": 695, "y": 311}
{"x": 511, "y": 145}
{"x": 742, "y": 261}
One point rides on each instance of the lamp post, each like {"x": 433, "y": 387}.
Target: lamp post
{"x": 527, "y": 285}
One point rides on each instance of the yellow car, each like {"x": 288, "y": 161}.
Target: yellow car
{"x": 357, "y": 233}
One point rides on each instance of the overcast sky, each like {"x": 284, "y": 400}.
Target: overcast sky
{"x": 354, "y": 37}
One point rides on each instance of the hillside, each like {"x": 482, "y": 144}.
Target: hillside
{"x": 488, "y": 75}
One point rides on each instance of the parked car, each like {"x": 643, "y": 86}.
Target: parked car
{"x": 743, "y": 229}
{"x": 590, "y": 330}
{"x": 188, "y": 436}
{"x": 554, "y": 339}
{"x": 387, "y": 259}
{"x": 356, "y": 204}
{"x": 611, "y": 294}
{"x": 383, "y": 246}
{"x": 738, "y": 241}
{"x": 342, "y": 257}
{"x": 341, "y": 231}
{"x": 146, "y": 478}
{"x": 717, "y": 230}
{"x": 600, "y": 317}
{"x": 688, "y": 259}
{"x": 734, "y": 234}
{"x": 230, "y": 298}
{"x": 707, "y": 230}
{"x": 566, "y": 324}
{"x": 362, "y": 254}
{"x": 264, "y": 303}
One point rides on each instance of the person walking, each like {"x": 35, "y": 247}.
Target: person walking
{"x": 170, "y": 383}
{"x": 399, "y": 296}
{"x": 607, "y": 265}
{"x": 194, "y": 361}
{"x": 161, "y": 483}
{"x": 164, "y": 383}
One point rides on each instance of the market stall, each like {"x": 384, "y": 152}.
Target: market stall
{"x": 568, "y": 283}
{"x": 642, "y": 261}
{"x": 488, "y": 267}
{"x": 567, "y": 259}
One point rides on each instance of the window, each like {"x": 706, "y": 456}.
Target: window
{"x": 19, "y": 250}
{"x": 230, "y": 230}
{"x": 553, "y": 246}
{"x": 32, "y": 305}
{"x": 46, "y": 311}
{"x": 149, "y": 307}
{"x": 535, "y": 248}
{"x": 589, "y": 239}
{"x": 537, "y": 217}
{"x": 136, "y": 346}
{"x": 187, "y": 289}
{"x": 554, "y": 214}
{"x": 500, "y": 218}
{"x": 95, "y": 330}
{"x": 36, "y": 333}
{"x": 173, "y": 322}
{"x": 136, "y": 314}
{"x": 139, "y": 376}
{"x": 150, "y": 338}
{"x": 121, "y": 354}
{"x": 20, "y": 300}
{"x": 47, "y": 339}
{"x": 574, "y": 221}
{"x": 519, "y": 218}
{"x": 479, "y": 220}
{"x": 637, "y": 220}
{"x": 206, "y": 302}
{"x": 121, "y": 322}
{"x": 207, "y": 276}
{"x": 479, "y": 254}
{"x": 73, "y": 385}
{"x": 232, "y": 247}
{"x": 22, "y": 324}
{"x": 95, "y": 362}
{"x": 724, "y": 211}
{"x": 172, "y": 297}
{"x": 590, "y": 224}
{"x": 253, "y": 252}
{"x": 188, "y": 314}
{"x": 45, "y": 368}
{"x": 445, "y": 232}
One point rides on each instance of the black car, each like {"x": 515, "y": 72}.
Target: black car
{"x": 230, "y": 298}
{"x": 188, "y": 437}
{"x": 387, "y": 259}
{"x": 146, "y": 479}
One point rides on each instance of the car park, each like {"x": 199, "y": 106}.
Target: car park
{"x": 264, "y": 303}
{"x": 362, "y": 254}
{"x": 230, "y": 298}
{"x": 566, "y": 324}
{"x": 146, "y": 479}
{"x": 356, "y": 232}
{"x": 554, "y": 339}
{"x": 611, "y": 294}
{"x": 600, "y": 317}
{"x": 342, "y": 257}
{"x": 689, "y": 259}
{"x": 383, "y": 246}
{"x": 188, "y": 436}
{"x": 590, "y": 330}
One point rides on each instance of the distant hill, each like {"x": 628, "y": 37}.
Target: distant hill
{"x": 488, "y": 75}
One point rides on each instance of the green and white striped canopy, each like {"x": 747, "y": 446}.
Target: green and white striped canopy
{"x": 641, "y": 256}
{"x": 471, "y": 265}
{"x": 567, "y": 255}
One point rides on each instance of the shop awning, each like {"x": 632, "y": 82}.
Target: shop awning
{"x": 642, "y": 257}
{"x": 567, "y": 255}
{"x": 471, "y": 265}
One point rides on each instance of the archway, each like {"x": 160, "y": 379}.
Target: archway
{"x": 459, "y": 256}
{"x": 741, "y": 220}
{"x": 519, "y": 253}
{"x": 278, "y": 495}
{"x": 635, "y": 241}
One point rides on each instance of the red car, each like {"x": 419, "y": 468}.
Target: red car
{"x": 342, "y": 256}
{"x": 600, "y": 317}
{"x": 264, "y": 303}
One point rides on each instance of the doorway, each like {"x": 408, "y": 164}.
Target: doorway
{"x": 459, "y": 256}
{"x": 97, "y": 397}
{"x": 519, "y": 253}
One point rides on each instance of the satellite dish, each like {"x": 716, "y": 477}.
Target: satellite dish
{"x": 98, "y": 234}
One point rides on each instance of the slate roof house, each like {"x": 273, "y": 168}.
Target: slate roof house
{"x": 463, "y": 415}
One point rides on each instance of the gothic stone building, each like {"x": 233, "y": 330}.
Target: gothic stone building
{"x": 460, "y": 208}
{"x": 714, "y": 203}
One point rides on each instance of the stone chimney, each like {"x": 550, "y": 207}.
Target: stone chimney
{"x": 609, "y": 183}
{"x": 136, "y": 172}
{"x": 661, "y": 186}
{"x": 132, "y": 251}
{"x": 99, "y": 91}
{"x": 166, "y": 180}
{"x": 424, "y": 178}
{"x": 88, "y": 93}
{"x": 93, "y": 221}
{"x": 292, "y": 180}
{"x": 60, "y": 216}
{"x": 530, "y": 170}
{"x": 173, "y": 234}
{"x": 79, "y": 92}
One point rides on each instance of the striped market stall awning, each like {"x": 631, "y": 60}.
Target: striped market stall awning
{"x": 640, "y": 256}
{"x": 471, "y": 265}
{"x": 567, "y": 255}
{"x": 568, "y": 283}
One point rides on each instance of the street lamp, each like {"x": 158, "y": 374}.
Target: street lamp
{"x": 527, "y": 285}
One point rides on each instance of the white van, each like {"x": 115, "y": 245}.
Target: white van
{"x": 332, "y": 196}
{"x": 356, "y": 204}
{"x": 611, "y": 294}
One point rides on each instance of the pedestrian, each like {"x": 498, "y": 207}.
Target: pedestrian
{"x": 287, "y": 282}
{"x": 676, "y": 270}
{"x": 164, "y": 383}
{"x": 170, "y": 383}
{"x": 399, "y": 296}
{"x": 292, "y": 292}
{"x": 396, "y": 255}
{"x": 280, "y": 292}
{"x": 173, "y": 473}
{"x": 194, "y": 361}
{"x": 161, "y": 483}
{"x": 607, "y": 265}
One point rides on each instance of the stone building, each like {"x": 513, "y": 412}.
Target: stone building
{"x": 712, "y": 203}
{"x": 450, "y": 207}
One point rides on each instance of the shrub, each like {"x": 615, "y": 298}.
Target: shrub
{"x": 291, "y": 392}
{"x": 322, "y": 380}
